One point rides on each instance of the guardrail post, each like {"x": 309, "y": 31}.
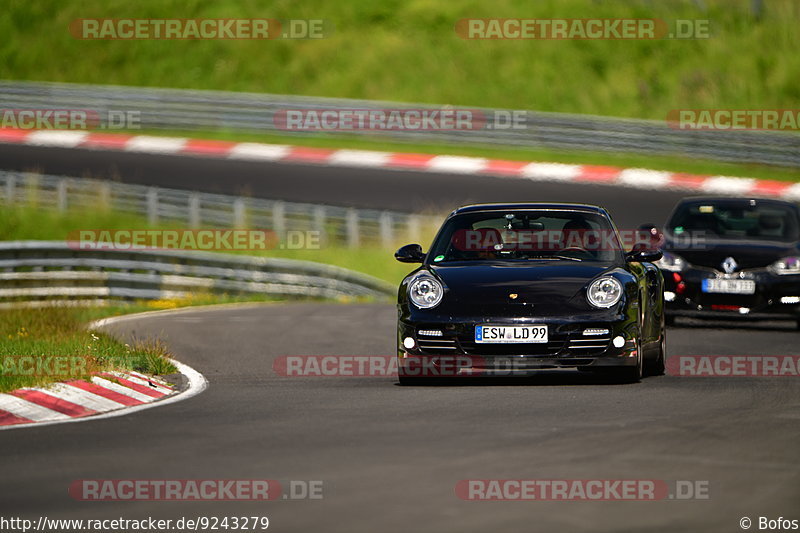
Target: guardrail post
{"x": 318, "y": 223}
{"x": 352, "y": 228}
{"x": 385, "y": 222}
{"x": 279, "y": 220}
{"x": 61, "y": 195}
{"x": 11, "y": 193}
{"x": 152, "y": 206}
{"x": 414, "y": 232}
{"x": 32, "y": 188}
{"x": 104, "y": 196}
{"x": 238, "y": 213}
{"x": 194, "y": 210}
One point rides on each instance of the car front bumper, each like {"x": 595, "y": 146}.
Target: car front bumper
{"x": 455, "y": 352}
{"x": 684, "y": 296}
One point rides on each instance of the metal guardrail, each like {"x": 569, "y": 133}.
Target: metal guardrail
{"x": 335, "y": 225}
{"x": 33, "y": 271}
{"x": 179, "y": 109}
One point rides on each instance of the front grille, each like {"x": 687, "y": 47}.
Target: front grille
{"x": 566, "y": 340}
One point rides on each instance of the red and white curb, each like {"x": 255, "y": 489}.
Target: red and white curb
{"x": 108, "y": 394}
{"x": 107, "y": 391}
{"x": 532, "y": 170}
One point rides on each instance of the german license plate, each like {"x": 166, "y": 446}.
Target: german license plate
{"x": 510, "y": 334}
{"x": 729, "y": 286}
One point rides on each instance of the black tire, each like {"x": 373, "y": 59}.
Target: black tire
{"x": 407, "y": 381}
{"x": 633, "y": 374}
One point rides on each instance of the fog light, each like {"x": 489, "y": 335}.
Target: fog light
{"x": 669, "y": 296}
{"x": 429, "y": 333}
{"x": 595, "y": 331}
{"x": 409, "y": 343}
{"x": 790, "y": 299}
{"x": 619, "y": 341}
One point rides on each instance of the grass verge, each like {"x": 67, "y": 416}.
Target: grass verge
{"x": 49, "y": 344}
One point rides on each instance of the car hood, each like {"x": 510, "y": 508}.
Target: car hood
{"x": 551, "y": 287}
{"x": 747, "y": 254}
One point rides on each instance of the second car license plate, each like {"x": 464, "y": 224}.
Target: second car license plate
{"x": 510, "y": 334}
{"x": 729, "y": 286}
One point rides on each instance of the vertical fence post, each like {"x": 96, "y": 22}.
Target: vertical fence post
{"x": 385, "y": 222}
{"x": 279, "y": 220}
{"x": 351, "y": 222}
{"x": 414, "y": 230}
{"x": 152, "y": 206}
{"x": 32, "y": 188}
{"x": 61, "y": 195}
{"x": 11, "y": 186}
{"x": 318, "y": 223}
{"x": 238, "y": 213}
{"x": 104, "y": 196}
{"x": 194, "y": 210}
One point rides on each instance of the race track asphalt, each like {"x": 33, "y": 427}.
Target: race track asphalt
{"x": 399, "y": 190}
{"x": 390, "y": 456}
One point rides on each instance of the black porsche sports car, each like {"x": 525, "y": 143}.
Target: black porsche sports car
{"x": 732, "y": 258}
{"x": 507, "y": 289}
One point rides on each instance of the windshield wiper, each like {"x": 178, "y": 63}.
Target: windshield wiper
{"x": 556, "y": 257}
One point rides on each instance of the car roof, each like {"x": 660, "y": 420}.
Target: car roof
{"x": 734, "y": 200}
{"x": 581, "y": 208}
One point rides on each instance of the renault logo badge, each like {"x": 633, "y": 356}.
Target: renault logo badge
{"x": 729, "y": 265}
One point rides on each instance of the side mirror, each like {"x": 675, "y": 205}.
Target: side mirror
{"x": 410, "y": 253}
{"x": 643, "y": 256}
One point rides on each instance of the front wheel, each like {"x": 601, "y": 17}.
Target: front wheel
{"x": 633, "y": 374}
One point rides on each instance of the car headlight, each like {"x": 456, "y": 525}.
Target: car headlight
{"x": 787, "y": 265}
{"x": 672, "y": 262}
{"x": 604, "y": 292}
{"x": 425, "y": 291}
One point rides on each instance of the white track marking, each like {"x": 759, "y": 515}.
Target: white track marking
{"x": 63, "y": 139}
{"x": 121, "y": 389}
{"x": 156, "y": 145}
{"x": 644, "y": 179}
{"x": 25, "y": 409}
{"x": 359, "y": 158}
{"x": 728, "y": 185}
{"x": 457, "y": 164}
{"x": 86, "y": 399}
{"x": 143, "y": 382}
{"x": 551, "y": 171}
{"x": 258, "y": 151}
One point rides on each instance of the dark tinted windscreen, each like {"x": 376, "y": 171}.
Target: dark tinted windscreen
{"x": 743, "y": 220}
{"x": 526, "y": 235}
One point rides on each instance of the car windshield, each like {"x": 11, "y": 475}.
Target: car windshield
{"x": 746, "y": 220}
{"x": 526, "y": 236}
